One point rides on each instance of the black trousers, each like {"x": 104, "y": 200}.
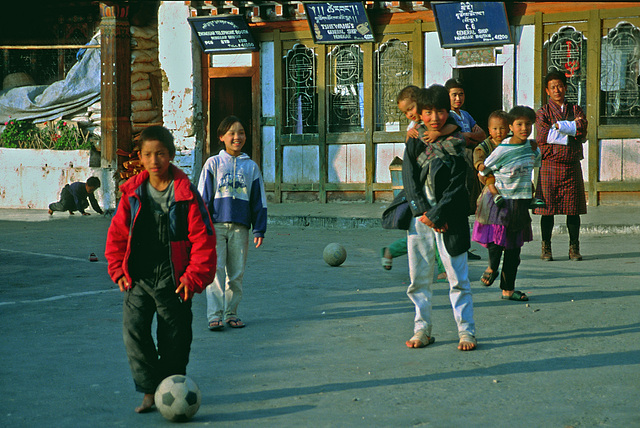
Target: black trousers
{"x": 152, "y": 295}
{"x": 66, "y": 202}
{"x": 509, "y": 264}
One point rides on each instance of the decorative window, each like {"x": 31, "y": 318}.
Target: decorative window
{"x": 300, "y": 98}
{"x": 620, "y": 76}
{"x": 346, "y": 89}
{"x": 566, "y": 52}
{"x": 394, "y": 71}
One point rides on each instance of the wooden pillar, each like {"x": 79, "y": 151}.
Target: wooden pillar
{"x": 277, "y": 76}
{"x": 593, "y": 105}
{"x": 369, "y": 123}
{"x": 115, "y": 91}
{"x": 323, "y": 148}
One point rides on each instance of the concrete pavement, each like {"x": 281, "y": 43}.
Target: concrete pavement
{"x": 324, "y": 346}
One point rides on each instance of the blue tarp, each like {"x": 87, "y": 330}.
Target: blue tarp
{"x": 79, "y": 89}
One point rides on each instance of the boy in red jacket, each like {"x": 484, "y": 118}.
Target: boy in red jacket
{"x": 161, "y": 249}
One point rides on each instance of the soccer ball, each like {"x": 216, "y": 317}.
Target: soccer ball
{"x": 334, "y": 254}
{"x": 178, "y": 398}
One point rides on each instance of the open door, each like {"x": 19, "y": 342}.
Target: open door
{"x": 483, "y": 92}
{"x": 233, "y": 90}
{"x": 230, "y": 96}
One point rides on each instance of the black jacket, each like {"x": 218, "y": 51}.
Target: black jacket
{"x": 448, "y": 175}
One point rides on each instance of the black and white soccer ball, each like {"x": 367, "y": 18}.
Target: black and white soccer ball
{"x": 178, "y": 398}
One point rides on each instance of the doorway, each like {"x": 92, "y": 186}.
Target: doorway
{"x": 483, "y": 91}
{"x": 230, "y": 96}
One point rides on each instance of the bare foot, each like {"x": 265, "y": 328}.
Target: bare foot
{"x": 442, "y": 276}
{"x": 50, "y": 212}
{"x": 147, "y": 404}
{"x": 419, "y": 340}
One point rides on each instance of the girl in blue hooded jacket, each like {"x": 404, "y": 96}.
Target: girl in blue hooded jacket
{"x": 233, "y": 190}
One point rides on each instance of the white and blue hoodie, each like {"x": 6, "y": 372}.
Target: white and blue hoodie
{"x": 233, "y": 190}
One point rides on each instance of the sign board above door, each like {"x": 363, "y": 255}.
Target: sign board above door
{"x": 338, "y": 22}
{"x": 464, "y": 24}
{"x": 223, "y": 34}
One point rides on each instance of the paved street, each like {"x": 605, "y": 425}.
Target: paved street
{"x": 324, "y": 346}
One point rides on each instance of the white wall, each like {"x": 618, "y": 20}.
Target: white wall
{"x": 524, "y": 65}
{"x": 180, "y": 65}
{"x": 34, "y": 178}
{"x": 267, "y": 84}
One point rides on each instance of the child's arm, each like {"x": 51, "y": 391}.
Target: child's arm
{"x": 413, "y": 131}
{"x": 201, "y": 267}
{"x": 94, "y": 204}
{"x": 475, "y": 136}
{"x": 207, "y": 182}
{"x": 479, "y": 156}
{"x": 448, "y": 128}
{"x": 116, "y": 247}
{"x": 258, "y": 206}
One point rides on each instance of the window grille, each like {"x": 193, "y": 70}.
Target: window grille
{"x": 620, "y": 75}
{"x": 346, "y": 89}
{"x": 566, "y": 52}
{"x": 300, "y": 99}
{"x": 394, "y": 71}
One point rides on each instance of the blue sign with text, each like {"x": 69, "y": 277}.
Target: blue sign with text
{"x": 223, "y": 34}
{"x": 338, "y": 22}
{"x": 462, "y": 24}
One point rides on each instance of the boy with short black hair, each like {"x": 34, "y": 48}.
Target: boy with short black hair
{"x": 434, "y": 176}
{"x": 74, "y": 197}
{"x": 161, "y": 249}
{"x": 473, "y": 135}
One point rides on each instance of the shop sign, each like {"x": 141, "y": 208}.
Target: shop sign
{"x": 338, "y": 22}
{"x": 222, "y": 34}
{"x": 462, "y": 24}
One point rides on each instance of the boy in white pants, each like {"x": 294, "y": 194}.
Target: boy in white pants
{"x": 434, "y": 177}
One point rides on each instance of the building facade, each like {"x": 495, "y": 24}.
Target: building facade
{"x": 321, "y": 118}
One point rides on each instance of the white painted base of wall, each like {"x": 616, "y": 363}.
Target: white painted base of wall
{"x": 34, "y": 178}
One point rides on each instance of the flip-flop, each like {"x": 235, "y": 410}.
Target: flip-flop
{"x": 387, "y": 263}
{"x": 216, "y": 325}
{"x": 490, "y": 277}
{"x": 234, "y": 322}
{"x": 518, "y": 296}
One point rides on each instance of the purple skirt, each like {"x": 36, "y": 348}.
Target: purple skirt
{"x": 509, "y": 226}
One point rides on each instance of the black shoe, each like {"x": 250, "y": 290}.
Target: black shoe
{"x": 472, "y": 256}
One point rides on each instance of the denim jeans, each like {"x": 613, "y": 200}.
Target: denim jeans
{"x": 422, "y": 242}
{"x": 225, "y": 293}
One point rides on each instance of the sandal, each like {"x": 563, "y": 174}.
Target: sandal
{"x": 467, "y": 338}
{"x": 387, "y": 263}
{"x": 234, "y": 322}
{"x": 489, "y": 277}
{"x": 216, "y": 325}
{"x": 518, "y": 296}
{"x": 421, "y": 337}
